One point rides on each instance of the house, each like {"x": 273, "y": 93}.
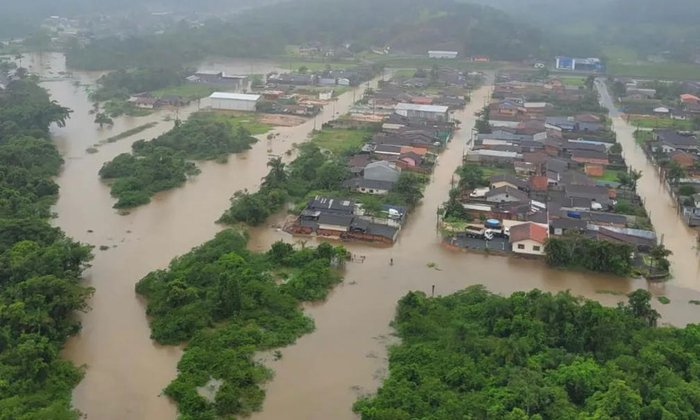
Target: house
{"x": 595, "y": 170}
{"x": 382, "y": 171}
{"x": 330, "y": 224}
{"x": 369, "y": 186}
{"x": 429, "y": 112}
{"x": 296, "y": 79}
{"x": 506, "y": 194}
{"x": 670, "y": 140}
{"x": 218, "y": 78}
{"x": 643, "y": 244}
{"x": 331, "y": 205}
{"x": 563, "y": 225}
{"x": 143, "y": 102}
{"x": 589, "y": 157}
{"x": 496, "y": 156}
{"x": 498, "y": 181}
{"x": 234, "y": 101}
{"x": 590, "y": 193}
{"x": 525, "y": 168}
{"x": 388, "y": 150}
{"x": 538, "y": 183}
{"x": 683, "y": 159}
{"x": 687, "y": 98}
{"x": 357, "y": 163}
{"x": 528, "y": 238}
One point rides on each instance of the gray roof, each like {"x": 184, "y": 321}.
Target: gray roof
{"x": 673, "y": 138}
{"x": 369, "y": 183}
{"x": 331, "y": 205}
{"x": 335, "y": 219}
{"x": 520, "y": 183}
{"x": 385, "y": 231}
{"x": 521, "y": 196}
{"x": 566, "y": 223}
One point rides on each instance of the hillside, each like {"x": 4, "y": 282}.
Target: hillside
{"x": 412, "y": 26}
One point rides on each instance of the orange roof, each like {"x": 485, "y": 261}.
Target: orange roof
{"x": 538, "y": 183}
{"x": 689, "y": 97}
{"x": 417, "y": 150}
{"x": 422, "y": 100}
{"x": 529, "y": 231}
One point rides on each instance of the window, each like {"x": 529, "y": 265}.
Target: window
{"x": 521, "y": 246}
{"x": 536, "y": 248}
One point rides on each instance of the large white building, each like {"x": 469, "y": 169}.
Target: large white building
{"x": 429, "y": 112}
{"x": 442, "y": 54}
{"x": 233, "y": 101}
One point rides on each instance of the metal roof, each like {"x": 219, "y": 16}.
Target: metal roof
{"x": 234, "y": 96}
{"x": 422, "y": 108}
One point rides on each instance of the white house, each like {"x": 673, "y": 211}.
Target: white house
{"x": 528, "y": 238}
{"x": 233, "y": 101}
{"x": 442, "y": 54}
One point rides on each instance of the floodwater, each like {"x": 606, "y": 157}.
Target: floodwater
{"x": 323, "y": 373}
{"x": 126, "y": 371}
{"x": 663, "y": 212}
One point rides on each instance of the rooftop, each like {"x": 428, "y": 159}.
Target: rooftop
{"x": 422, "y": 108}
{"x": 234, "y": 96}
{"x": 528, "y": 231}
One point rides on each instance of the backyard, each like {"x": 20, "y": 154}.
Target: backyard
{"x": 654, "y": 122}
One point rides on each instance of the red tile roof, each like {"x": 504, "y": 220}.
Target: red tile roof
{"x": 538, "y": 183}
{"x": 529, "y": 231}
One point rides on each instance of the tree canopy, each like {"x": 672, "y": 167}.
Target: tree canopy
{"x": 40, "y": 267}
{"x": 229, "y": 303}
{"x": 165, "y": 162}
{"x": 536, "y": 355}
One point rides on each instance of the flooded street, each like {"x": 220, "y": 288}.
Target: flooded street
{"x": 323, "y": 373}
{"x": 676, "y": 235}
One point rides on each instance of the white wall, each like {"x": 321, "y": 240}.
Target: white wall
{"x": 233, "y": 104}
{"x": 528, "y": 247}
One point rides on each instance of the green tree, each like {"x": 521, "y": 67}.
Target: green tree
{"x": 471, "y": 177}
{"x": 675, "y": 173}
{"x": 639, "y": 305}
{"x": 101, "y": 118}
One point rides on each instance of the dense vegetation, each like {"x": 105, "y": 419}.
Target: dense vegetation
{"x": 312, "y": 173}
{"x": 576, "y": 251}
{"x": 230, "y": 303}
{"x": 40, "y": 267}
{"x": 120, "y": 84}
{"x": 411, "y": 26}
{"x": 535, "y": 355}
{"x": 165, "y": 162}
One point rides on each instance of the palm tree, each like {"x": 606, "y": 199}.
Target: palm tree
{"x": 634, "y": 177}
{"x": 277, "y": 175}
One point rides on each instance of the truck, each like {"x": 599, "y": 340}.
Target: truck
{"x": 479, "y": 232}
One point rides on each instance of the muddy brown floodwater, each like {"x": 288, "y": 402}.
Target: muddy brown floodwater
{"x": 126, "y": 371}
{"x": 323, "y": 373}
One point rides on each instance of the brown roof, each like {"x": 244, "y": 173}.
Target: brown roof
{"x": 529, "y": 231}
{"x": 538, "y": 183}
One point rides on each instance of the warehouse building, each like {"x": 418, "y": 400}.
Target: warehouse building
{"x": 443, "y": 54}
{"x": 233, "y": 101}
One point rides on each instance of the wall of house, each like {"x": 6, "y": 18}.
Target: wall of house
{"x": 529, "y": 247}
{"x": 502, "y": 198}
{"x": 373, "y": 191}
{"x": 233, "y": 105}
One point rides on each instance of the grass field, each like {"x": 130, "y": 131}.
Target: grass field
{"x": 661, "y": 123}
{"x": 188, "y": 90}
{"x": 338, "y": 141}
{"x": 573, "y": 81}
{"x": 129, "y": 133}
{"x": 248, "y": 121}
{"x": 660, "y": 71}
{"x": 642, "y": 137}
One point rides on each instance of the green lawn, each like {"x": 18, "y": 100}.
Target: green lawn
{"x": 249, "y": 121}
{"x": 608, "y": 175}
{"x": 661, "y": 123}
{"x": 662, "y": 71}
{"x": 573, "y": 81}
{"x": 188, "y": 90}
{"x": 642, "y": 137}
{"x": 338, "y": 141}
{"x": 490, "y": 171}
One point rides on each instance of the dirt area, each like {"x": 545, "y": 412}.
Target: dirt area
{"x": 281, "y": 120}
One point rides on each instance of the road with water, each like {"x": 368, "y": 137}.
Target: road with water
{"x": 323, "y": 373}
